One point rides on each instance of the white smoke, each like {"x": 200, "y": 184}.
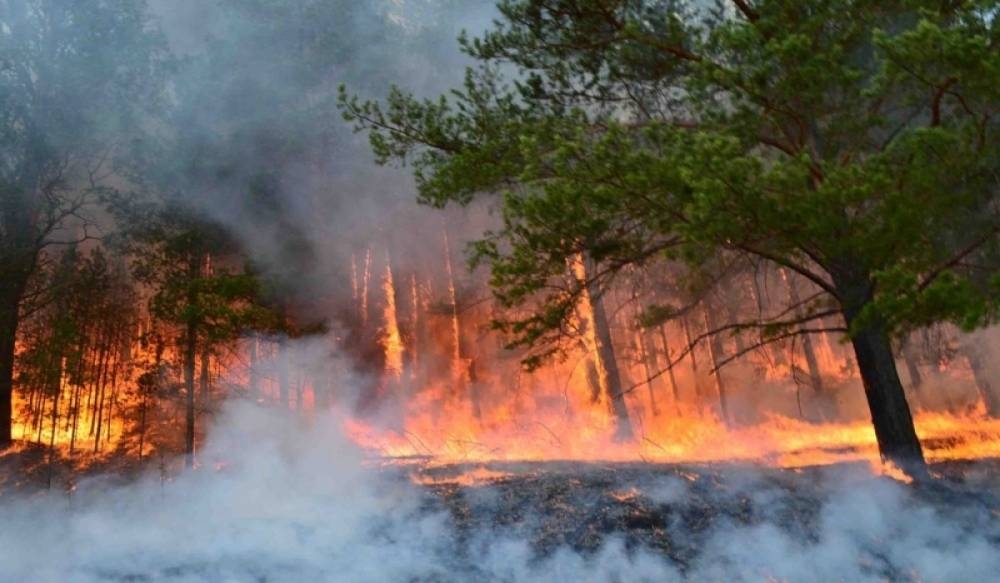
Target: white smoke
{"x": 279, "y": 500}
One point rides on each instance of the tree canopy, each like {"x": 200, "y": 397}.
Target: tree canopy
{"x": 853, "y": 143}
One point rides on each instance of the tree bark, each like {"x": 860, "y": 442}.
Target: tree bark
{"x": 205, "y": 379}
{"x": 989, "y": 390}
{"x": 8, "y": 336}
{"x": 670, "y": 368}
{"x": 190, "y": 358}
{"x": 607, "y": 367}
{"x": 254, "y": 388}
{"x": 808, "y": 350}
{"x": 715, "y": 353}
{"x": 12, "y": 286}
{"x": 890, "y": 412}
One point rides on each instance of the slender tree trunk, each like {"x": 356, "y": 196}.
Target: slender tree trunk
{"x": 989, "y": 388}
{"x": 694, "y": 360}
{"x": 142, "y": 424}
{"x": 283, "y": 373}
{"x": 808, "y": 350}
{"x": 57, "y": 388}
{"x": 913, "y": 371}
{"x": 254, "y": 374}
{"x": 715, "y": 353}
{"x": 645, "y": 355}
{"x": 75, "y": 413}
{"x": 204, "y": 379}
{"x": 670, "y": 368}
{"x": 190, "y": 357}
{"x": 607, "y": 366}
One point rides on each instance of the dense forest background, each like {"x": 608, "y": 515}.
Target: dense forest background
{"x": 708, "y": 209}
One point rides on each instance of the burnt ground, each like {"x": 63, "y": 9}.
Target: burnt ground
{"x": 27, "y": 469}
{"x": 673, "y": 510}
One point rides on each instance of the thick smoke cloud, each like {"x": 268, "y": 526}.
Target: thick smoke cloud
{"x": 246, "y": 95}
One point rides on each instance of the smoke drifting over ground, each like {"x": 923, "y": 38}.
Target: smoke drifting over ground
{"x": 278, "y": 499}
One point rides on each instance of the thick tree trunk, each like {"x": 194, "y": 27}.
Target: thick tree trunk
{"x": 891, "y": 418}
{"x": 12, "y": 286}
{"x": 890, "y": 413}
{"x": 8, "y": 336}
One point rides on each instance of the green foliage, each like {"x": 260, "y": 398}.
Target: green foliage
{"x": 182, "y": 258}
{"x": 854, "y": 143}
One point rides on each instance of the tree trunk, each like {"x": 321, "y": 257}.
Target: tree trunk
{"x": 694, "y": 361}
{"x": 190, "y": 358}
{"x": 808, "y": 350}
{"x": 670, "y": 368}
{"x": 715, "y": 352}
{"x": 8, "y": 336}
{"x": 607, "y": 367}
{"x": 989, "y": 389}
{"x": 646, "y": 356}
{"x": 205, "y": 380}
{"x": 13, "y": 282}
{"x": 254, "y": 388}
{"x": 891, "y": 418}
{"x": 283, "y": 381}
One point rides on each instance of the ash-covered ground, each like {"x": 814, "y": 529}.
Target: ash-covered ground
{"x": 726, "y": 521}
{"x": 275, "y": 502}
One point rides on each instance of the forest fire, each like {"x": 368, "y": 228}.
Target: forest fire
{"x": 779, "y": 442}
{"x": 443, "y": 390}
{"x": 657, "y": 290}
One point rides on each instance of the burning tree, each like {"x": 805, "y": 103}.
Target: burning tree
{"x": 858, "y": 153}
{"x": 175, "y": 253}
{"x": 71, "y": 94}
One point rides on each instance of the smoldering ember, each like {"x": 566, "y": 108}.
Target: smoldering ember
{"x": 499, "y": 290}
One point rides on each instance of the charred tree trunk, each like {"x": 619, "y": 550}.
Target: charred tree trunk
{"x": 593, "y": 380}
{"x": 205, "y": 379}
{"x": 254, "y": 375}
{"x": 808, "y": 350}
{"x": 646, "y": 356}
{"x": 670, "y": 368}
{"x": 57, "y": 391}
{"x": 890, "y": 412}
{"x": 8, "y": 335}
{"x": 607, "y": 366}
{"x": 13, "y": 282}
{"x": 190, "y": 358}
{"x": 694, "y": 360}
{"x": 715, "y": 353}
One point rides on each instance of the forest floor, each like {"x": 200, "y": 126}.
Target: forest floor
{"x": 688, "y": 515}
{"x": 578, "y": 504}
